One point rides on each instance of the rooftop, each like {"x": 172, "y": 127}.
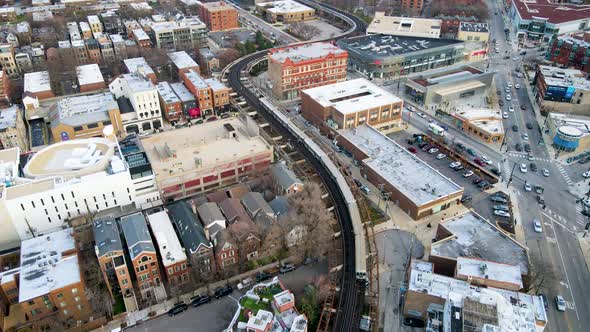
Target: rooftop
{"x": 116, "y": 38}
{"x": 473, "y": 27}
{"x": 75, "y": 158}
{"x": 382, "y": 46}
{"x": 140, "y": 34}
{"x": 182, "y": 92}
{"x": 405, "y": 26}
{"x": 352, "y": 96}
{"x": 8, "y": 117}
{"x": 446, "y": 75}
{"x": 473, "y": 236}
{"x": 201, "y": 147}
{"x": 210, "y": 213}
{"x": 215, "y": 84}
{"x": 81, "y": 110}
{"x": 106, "y": 236}
{"x": 196, "y": 79}
{"x": 89, "y": 74}
{"x": 489, "y": 120}
{"x": 553, "y": 12}
{"x": 512, "y": 311}
{"x": 182, "y": 60}
{"x": 411, "y": 176}
{"x": 565, "y": 77}
{"x": 192, "y": 234}
{"x": 482, "y": 269}
{"x": 93, "y": 19}
{"x": 37, "y": 82}
{"x": 167, "y": 93}
{"x": 254, "y": 203}
{"x": 301, "y": 53}
{"x": 48, "y": 263}
{"x": 284, "y": 6}
{"x": 219, "y": 5}
{"x": 170, "y": 249}
{"x": 284, "y": 175}
{"x": 260, "y": 321}
{"x": 136, "y": 235}
{"x": 135, "y": 64}
{"x": 575, "y": 41}
{"x": 138, "y": 82}
{"x": 141, "y": 6}
{"x": 582, "y": 123}
{"x": 284, "y": 297}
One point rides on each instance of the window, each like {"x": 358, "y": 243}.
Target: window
{"x": 92, "y": 125}
{"x": 78, "y": 128}
{"x": 74, "y": 290}
{"x": 62, "y": 304}
{"x": 124, "y": 282}
{"x": 77, "y": 299}
{"x": 170, "y": 270}
{"x": 122, "y": 272}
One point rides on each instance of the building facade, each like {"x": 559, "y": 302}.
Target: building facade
{"x": 286, "y": 11}
{"x": 572, "y": 51}
{"x": 219, "y": 16}
{"x": 295, "y": 68}
{"x": 469, "y": 31}
{"x": 171, "y": 104}
{"x": 561, "y": 90}
{"x": 12, "y": 129}
{"x": 484, "y": 124}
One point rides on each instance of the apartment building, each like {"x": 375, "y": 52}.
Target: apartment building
{"x": 7, "y": 60}
{"x": 171, "y": 105}
{"x": 111, "y": 22}
{"x": 561, "y": 90}
{"x": 140, "y": 66}
{"x": 111, "y": 257}
{"x": 141, "y": 38}
{"x": 185, "y": 34}
{"x": 189, "y": 103}
{"x": 81, "y": 51}
{"x": 414, "y": 6}
{"x": 295, "y": 68}
{"x": 142, "y": 252}
{"x": 4, "y": 85}
{"x": 95, "y": 24}
{"x": 138, "y": 102}
{"x": 119, "y": 47}
{"x": 183, "y": 62}
{"x": 350, "y": 104}
{"x": 84, "y": 116}
{"x": 90, "y": 78}
{"x": 220, "y": 93}
{"x": 12, "y": 129}
{"x": 107, "y": 51}
{"x": 219, "y": 16}
{"x": 200, "y": 89}
{"x": 572, "y": 51}
{"x": 212, "y": 219}
{"x": 46, "y": 197}
{"x": 86, "y": 31}
{"x": 172, "y": 254}
{"x": 38, "y": 85}
{"x": 469, "y": 31}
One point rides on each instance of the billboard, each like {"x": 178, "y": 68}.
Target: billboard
{"x": 559, "y": 93}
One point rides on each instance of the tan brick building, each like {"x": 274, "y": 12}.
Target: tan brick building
{"x": 287, "y": 11}
{"x": 12, "y": 129}
{"x": 219, "y": 16}
{"x": 295, "y": 68}
{"x": 412, "y": 5}
{"x": 350, "y": 104}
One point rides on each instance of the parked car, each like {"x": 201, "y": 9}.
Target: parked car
{"x": 529, "y": 125}
{"x": 479, "y": 162}
{"x": 412, "y": 149}
{"x": 467, "y": 174}
{"x": 288, "y": 267}
{"x": 366, "y": 190}
{"x": 496, "y": 171}
{"x": 508, "y": 97}
{"x": 460, "y": 146}
{"x": 545, "y": 302}
{"x": 423, "y": 144}
{"x": 509, "y": 84}
{"x": 523, "y": 168}
{"x": 199, "y": 300}
{"x": 537, "y": 226}
{"x": 486, "y": 160}
{"x": 177, "y": 308}
{"x": 466, "y": 199}
{"x": 261, "y": 276}
{"x": 586, "y": 174}
{"x": 560, "y": 303}
{"x": 244, "y": 283}
{"x": 223, "y": 291}
{"x": 357, "y": 182}
{"x": 523, "y": 107}
{"x": 502, "y": 207}
{"x": 458, "y": 168}
{"x": 411, "y": 108}
{"x": 525, "y": 136}
{"x": 515, "y": 128}
{"x": 454, "y": 164}
{"x": 501, "y": 213}
{"x": 432, "y": 150}
{"x": 441, "y": 156}
{"x": 499, "y": 199}
{"x": 484, "y": 184}
{"x": 426, "y": 147}
{"x": 471, "y": 152}
{"x": 422, "y": 115}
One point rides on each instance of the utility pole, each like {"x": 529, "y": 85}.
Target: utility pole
{"x": 511, "y": 174}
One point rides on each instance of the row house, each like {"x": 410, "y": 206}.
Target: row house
{"x": 210, "y": 93}
{"x": 171, "y": 105}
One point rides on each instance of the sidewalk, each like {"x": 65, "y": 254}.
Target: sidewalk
{"x": 135, "y": 317}
{"x": 585, "y": 246}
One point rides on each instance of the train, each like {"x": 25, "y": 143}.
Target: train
{"x": 336, "y": 175}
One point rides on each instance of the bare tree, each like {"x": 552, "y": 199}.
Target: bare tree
{"x": 539, "y": 278}
{"x": 227, "y": 56}
{"x": 303, "y": 30}
{"x": 309, "y": 216}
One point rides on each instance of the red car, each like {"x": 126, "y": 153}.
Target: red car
{"x": 479, "y": 162}
{"x": 412, "y": 149}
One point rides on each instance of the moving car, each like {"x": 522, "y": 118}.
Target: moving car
{"x": 560, "y": 303}
{"x": 529, "y": 125}
{"x": 528, "y": 187}
{"x": 198, "y": 300}
{"x": 510, "y": 109}
{"x": 422, "y": 115}
{"x": 501, "y": 213}
{"x": 486, "y": 160}
{"x": 545, "y": 172}
{"x": 527, "y": 147}
{"x": 509, "y": 84}
{"x": 505, "y": 115}
{"x": 496, "y": 171}
{"x": 533, "y": 167}
{"x": 223, "y": 291}
{"x": 177, "y": 308}
{"x": 357, "y": 182}
{"x": 517, "y": 86}
{"x": 518, "y": 147}
{"x": 441, "y": 156}
{"x": 479, "y": 162}
{"x": 286, "y": 268}
{"x": 471, "y": 152}
{"x": 477, "y": 180}
{"x": 537, "y": 226}
{"x": 467, "y": 174}
{"x": 366, "y": 190}
{"x": 523, "y": 168}
{"x": 507, "y": 90}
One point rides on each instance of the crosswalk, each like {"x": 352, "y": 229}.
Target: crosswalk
{"x": 566, "y": 176}
{"x": 506, "y": 167}
{"x": 524, "y": 155}
{"x": 580, "y": 218}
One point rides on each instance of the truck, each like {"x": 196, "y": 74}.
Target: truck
{"x": 436, "y": 129}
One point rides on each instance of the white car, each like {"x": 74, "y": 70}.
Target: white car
{"x": 517, "y": 86}
{"x": 545, "y": 172}
{"x": 441, "y": 156}
{"x": 505, "y": 115}
{"x": 560, "y": 303}
{"x": 467, "y": 174}
{"x": 515, "y": 58}
{"x": 519, "y": 75}
{"x": 411, "y": 108}
{"x": 455, "y": 164}
{"x": 508, "y": 97}
{"x": 501, "y": 213}
{"x": 525, "y": 136}
{"x": 510, "y": 109}
{"x": 507, "y": 90}
{"x": 485, "y": 160}
{"x": 537, "y": 226}
{"x": 509, "y": 84}
{"x": 586, "y": 174}
{"x": 422, "y": 115}
{"x": 528, "y": 187}
{"x": 523, "y": 169}
{"x": 432, "y": 150}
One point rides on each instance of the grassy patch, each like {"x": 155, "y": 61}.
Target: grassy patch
{"x": 269, "y": 292}
{"x": 119, "y": 306}
{"x": 251, "y": 304}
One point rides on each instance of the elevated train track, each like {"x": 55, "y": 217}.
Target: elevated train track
{"x": 352, "y": 286}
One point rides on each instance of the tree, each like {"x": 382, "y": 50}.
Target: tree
{"x": 227, "y": 56}
{"x": 308, "y": 211}
{"x": 539, "y": 278}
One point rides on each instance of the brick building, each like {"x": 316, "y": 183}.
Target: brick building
{"x": 210, "y": 93}
{"x": 219, "y": 16}
{"x": 170, "y": 103}
{"x": 571, "y": 51}
{"x": 38, "y": 85}
{"x": 295, "y": 68}
{"x": 90, "y": 78}
{"x": 412, "y": 5}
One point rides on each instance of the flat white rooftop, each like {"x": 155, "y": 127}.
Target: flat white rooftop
{"x": 182, "y": 60}
{"x": 260, "y": 321}
{"x": 582, "y": 123}
{"x": 352, "y": 96}
{"x": 182, "y": 92}
{"x": 488, "y": 120}
{"x": 565, "y": 77}
{"x": 196, "y": 79}
{"x": 473, "y": 236}
{"x": 43, "y": 266}
{"x": 285, "y": 6}
{"x": 138, "y": 82}
{"x": 215, "y": 84}
{"x": 37, "y": 82}
{"x": 516, "y": 312}
{"x": 140, "y": 34}
{"x": 116, "y": 38}
{"x": 404, "y": 26}
{"x": 482, "y": 269}
{"x": 167, "y": 93}
{"x": 84, "y": 109}
{"x": 414, "y": 178}
{"x": 89, "y": 74}
{"x": 305, "y": 52}
{"x": 284, "y": 297}
{"x": 170, "y": 249}
{"x": 135, "y": 64}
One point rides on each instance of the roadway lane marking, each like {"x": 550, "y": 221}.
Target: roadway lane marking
{"x": 563, "y": 265}
{"x": 558, "y": 223}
